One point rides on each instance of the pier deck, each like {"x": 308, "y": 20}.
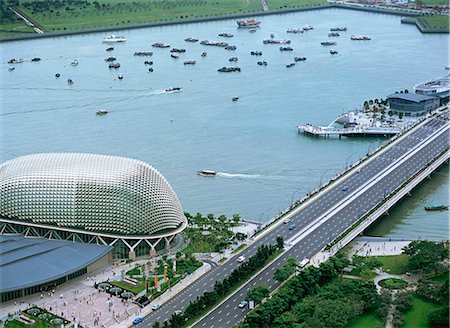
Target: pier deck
{"x": 349, "y": 132}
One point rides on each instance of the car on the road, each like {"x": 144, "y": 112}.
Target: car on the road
{"x": 138, "y": 320}
{"x": 241, "y": 259}
{"x": 156, "y": 306}
{"x": 345, "y": 188}
{"x": 178, "y": 312}
{"x": 243, "y": 304}
{"x": 286, "y": 221}
{"x": 292, "y": 226}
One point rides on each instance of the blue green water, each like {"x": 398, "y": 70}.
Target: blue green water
{"x": 265, "y": 164}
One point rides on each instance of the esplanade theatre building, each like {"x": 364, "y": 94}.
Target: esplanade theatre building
{"x": 122, "y": 203}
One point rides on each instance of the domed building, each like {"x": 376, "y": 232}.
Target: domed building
{"x": 108, "y": 200}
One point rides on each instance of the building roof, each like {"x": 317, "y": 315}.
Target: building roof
{"x": 439, "y": 85}
{"x": 31, "y": 261}
{"x": 414, "y": 97}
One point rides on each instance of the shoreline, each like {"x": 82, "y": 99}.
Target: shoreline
{"x": 411, "y": 20}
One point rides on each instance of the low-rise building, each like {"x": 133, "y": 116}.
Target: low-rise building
{"x": 412, "y": 104}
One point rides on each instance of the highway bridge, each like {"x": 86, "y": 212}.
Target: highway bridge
{"x": 324, "y": 217}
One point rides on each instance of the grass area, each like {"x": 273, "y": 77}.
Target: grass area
{"x": 37, "y": 324}
{"x": 395, "y": 264}
{"x": 134, "y": 289}
{"x": 223, "y": 260}
{"x": 435, "y": 21}
{"x": 79, "y": 15}
{"x": 284, "y": 4}
{"x": 239, "y": 248}
{"x": 393, "y": 283}
{"x": 14, "y": 29}
{"x": 369, "y": 319}
{"x": 435, "y": 2}
{"x": 417, "y": 316}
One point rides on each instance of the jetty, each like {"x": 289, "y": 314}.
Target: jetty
{"x": 328, "y": 131}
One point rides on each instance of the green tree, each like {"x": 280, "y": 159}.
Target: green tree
{"x": 425, "y": 256}
{"x": 281, "y": 274}
{"x": 236, "y": 218}
{"x": 258, "y": 293}
{"x": 280, "y": 242}
{"x": 156, "y": 325}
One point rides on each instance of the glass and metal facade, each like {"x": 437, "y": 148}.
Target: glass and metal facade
{"x": 109, "y": 196}
{"x": 412, "y": 104}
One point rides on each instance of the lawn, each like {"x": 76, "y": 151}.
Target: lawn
{"x": 134, "y": 289}
{"x": 435, "y": 2}
{"x": 393, "y": 283}
{"x": 10, "y": 29}
{"x": 435, "y": 21}
{"x": 283, "y": 4}
{"x": 395, "y": 264}
{"x": 417, "y": 317}
{"x": 366, "y": 320}
{"x": 119, "y": 12}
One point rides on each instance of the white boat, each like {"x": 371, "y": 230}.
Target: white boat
{"x": 114, "y": 38}
{"x": 207, "y": 173}
{"x": 74, "y": 62}
{"x": 174, "y": 89}
{"x": 174, "y": 55}
{"x": 248, "y": 23}
{"x": 102, "y": 112}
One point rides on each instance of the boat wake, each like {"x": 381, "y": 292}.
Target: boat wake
{"x": 237, "y": 175}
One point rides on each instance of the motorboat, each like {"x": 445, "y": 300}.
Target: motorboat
{"x": 297, "y": 59}
{"x": 189, "y": 62}
{"x": 114, "y": 38}
{"x": 253, "y": 30}
{"x": 271, "y": 41}
{"x": 328, "y": 43}
{"x": 12, "y": 68}
{"x": 120, "y": 76}
{"x": 248, "y": 23}
{"x": 148, "y": 62}
{"x": 226, "y": 35}
{"x": 286, "y": 49}
{"x": 190, "y": 39}
{"x": 229, "y": 69}
{"x": 214, "y": 43}
{"x": 308, "y": 27}
{"x": 207, "y": 173}
{"x": 161, "y": 45}
{"x": 338, "y": 29}
{"x": 436, "y": 208}
{"x": 256, "y": 53}
{"x": 74, "y": 62}
{"x": 295, "y": 30}
{"x": 102, "y": 112}
{"x": 175, "y": 55}
{"x": 110, "y": 59}
{"x": 57, "y": 75}
{"x": 262, "y": 63}
{"x": 230, "y": 47}
{"x": 204, "y": 54}
{"x": 233, "y": 59}
{"x": 110, "y": 49}
{"x": 333, "y": 34}
{"x": 143, "y": 53}
{"x": 69, "y": 81}
{"x": 36, "y": 59}
{"x": 114, "y": 65}
{"x": 177, "y": 50}
{"x": 174, "y": 89}
{"x": 360, "y": 38}
{"x": 235, "y": 98}
{"x": 15, "y": 61}
{"x": 333, "y": 52}
{"x": 290, "y": 64}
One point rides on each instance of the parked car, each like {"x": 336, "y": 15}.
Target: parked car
{"x": 344, "y": 188}
{"x": 292, "y": 226}
{"x": 286, "y": 221}
{"x": 156, "y": 306}
{"x": 178, "y": 312}
{"x": 241, "y": 259}
{"x": 138, "y": 320}
{"x": 243, "y": 304}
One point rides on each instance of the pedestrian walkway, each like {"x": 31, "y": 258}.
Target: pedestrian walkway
{"x": 80, "y": 302}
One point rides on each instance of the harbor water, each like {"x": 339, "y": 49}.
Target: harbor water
{"x": 263, "y": 164}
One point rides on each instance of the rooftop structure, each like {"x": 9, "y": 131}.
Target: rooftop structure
{"x": 94, "y": 195}
{"x": 31, "y": 265}
{"x": 435, "y": 88}
{"x": 412, "y": 104}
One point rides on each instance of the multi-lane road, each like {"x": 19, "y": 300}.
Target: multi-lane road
{"x": 322, "y": 219}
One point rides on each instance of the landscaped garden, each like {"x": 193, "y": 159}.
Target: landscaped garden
{"x": 36, "y": 317}
{"x": 393, "y": 283}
